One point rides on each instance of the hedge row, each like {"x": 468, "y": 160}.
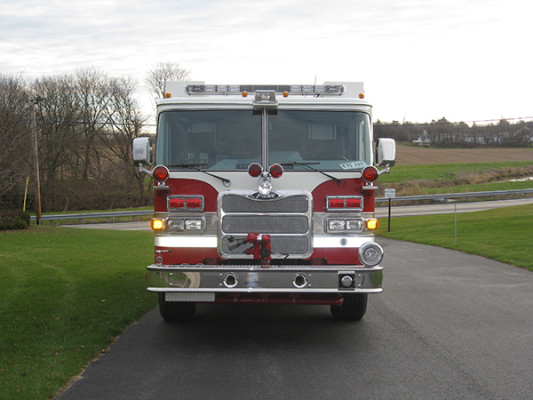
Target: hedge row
{"x": 14, "y": 219}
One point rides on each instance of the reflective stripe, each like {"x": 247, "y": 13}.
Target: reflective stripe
{"x": 340, "y": 241}
{"x": 211, "y": 241}
{"x": 186, "y": 241}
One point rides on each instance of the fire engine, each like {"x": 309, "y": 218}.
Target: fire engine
{"x": 264, "y": 194}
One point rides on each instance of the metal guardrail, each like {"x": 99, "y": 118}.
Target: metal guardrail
{"x": 108, "y": 215}
{"x": 424, "y": 199}
{"x": 440, "y": 198}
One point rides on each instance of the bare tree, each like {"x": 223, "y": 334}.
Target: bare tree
{"x": 126, "y": 123}
{"x": 93, "y": 90}
{"x": 162, "y": 73}
{"x": 14, "y": 135}
{"x": 58, "y": 118}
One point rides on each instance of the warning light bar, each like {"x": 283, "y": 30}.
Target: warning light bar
{"x": 285, "y": 90}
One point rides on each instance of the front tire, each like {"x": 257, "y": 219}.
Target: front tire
{"x": 176, "y": 311}
{"x": 353, "y": 307}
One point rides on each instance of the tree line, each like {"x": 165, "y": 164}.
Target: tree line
{"x": 443, "y": 133}
{"x": 85, "y": 124}
{"x": 86, "y": 121}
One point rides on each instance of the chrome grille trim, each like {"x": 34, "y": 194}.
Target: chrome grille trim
{"x": 287, "y": 219}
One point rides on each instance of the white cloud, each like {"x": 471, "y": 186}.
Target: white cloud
{"x": 420, "y": 59}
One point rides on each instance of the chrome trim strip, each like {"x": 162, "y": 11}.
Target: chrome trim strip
{"x": 337, "y": 241}
{"x": 259, "y": 290}
{"x": 186, "y": 241}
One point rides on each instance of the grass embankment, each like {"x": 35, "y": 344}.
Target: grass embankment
{"x": 65, "y": 295}
{"x": 503, "y": 234}
{"x": 456, "y": 178}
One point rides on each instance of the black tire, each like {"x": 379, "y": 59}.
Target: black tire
{"x": 175, "y": 311}
{"x": 352, "y": 309}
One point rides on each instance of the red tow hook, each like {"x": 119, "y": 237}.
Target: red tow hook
{"x": 261, "y": 249}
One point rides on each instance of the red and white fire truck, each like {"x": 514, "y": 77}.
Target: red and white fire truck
{"x": 265, "y": 194}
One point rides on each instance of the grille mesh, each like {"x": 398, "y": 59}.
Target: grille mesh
{"x": 265, "y": 224}
{"x": 287, "y": 219}
{"x": 233, "y": 203}
{"x": 280, "y": 244}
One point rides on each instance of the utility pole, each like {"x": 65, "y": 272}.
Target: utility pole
{"x": 34, "y": 101}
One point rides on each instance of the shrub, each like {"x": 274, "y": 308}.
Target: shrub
{"x": 14, "y": 219}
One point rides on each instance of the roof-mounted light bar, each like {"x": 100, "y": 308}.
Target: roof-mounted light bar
{"x": 302, "y": 90}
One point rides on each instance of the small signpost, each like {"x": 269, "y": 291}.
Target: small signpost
{"x": 390, "y": 193}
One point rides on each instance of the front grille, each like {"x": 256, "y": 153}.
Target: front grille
{"x": 281, "y": 245}
{"x": 287, "y": 219}
{"x": 236, "y": 203}
{"x": 244, "y": 224}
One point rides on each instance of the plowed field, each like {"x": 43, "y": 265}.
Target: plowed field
{"x": 413, "y": 155}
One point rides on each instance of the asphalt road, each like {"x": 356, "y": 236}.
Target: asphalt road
{"x": 448, "y": 326}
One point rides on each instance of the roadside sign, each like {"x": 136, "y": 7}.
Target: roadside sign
{"x": 390, "y": 194}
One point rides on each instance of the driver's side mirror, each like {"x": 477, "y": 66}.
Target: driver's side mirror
{"x": 385, "y": 152}
{"x": 142, "y": 151}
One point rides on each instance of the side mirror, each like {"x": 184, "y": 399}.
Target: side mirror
{"x": 386, "y": 152}
{"x": 142, "y": 151}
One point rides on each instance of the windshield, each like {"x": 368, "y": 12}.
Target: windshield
{"x": 225, "y": 139}
{"x": 327, "y": 140}
{"x": 231, "y": 139}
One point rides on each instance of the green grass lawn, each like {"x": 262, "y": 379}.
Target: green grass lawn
{"x": 65, "y": 295}
{"x": 503, "y": 234}
{"x": 456, "y": 178}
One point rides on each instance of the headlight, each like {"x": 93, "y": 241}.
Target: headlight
{"x": 193, "y": 225}
{"x": 186, "y": 224}
{"x": 335, "y": 225}
{"x": 370, "y": 254}
{"x": 344, "y": 225}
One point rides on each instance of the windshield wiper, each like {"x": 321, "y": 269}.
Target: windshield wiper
{"x": 196, "y": 167}
{"x": 308, "y": 166}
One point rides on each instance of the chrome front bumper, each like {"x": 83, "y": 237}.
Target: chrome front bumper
{"x": 202, "y": 278}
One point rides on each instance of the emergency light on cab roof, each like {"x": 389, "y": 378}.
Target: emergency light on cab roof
{"x": 312, "y": 90}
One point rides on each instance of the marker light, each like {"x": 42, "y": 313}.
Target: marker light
{"x": 160, "y": 173}
{"x": 276, "y": 170}
{"x": 335, "y": 203}
{"x": 194, "y": 202}
{"x": 168, "y": 95}
{"x": 176, "y": 202}
{"x": 353, "y": 202}
{"x": 347, "y": 203}
{"x": 244, "y": 93}
{"x": 157, "y": 224}
{"x": 361, "y": 95}
{"x": 254, "y": 170}
{"x": 372, "y": 224}
{"x": 370, "y": 174}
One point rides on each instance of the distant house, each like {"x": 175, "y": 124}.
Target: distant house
{"x": 423, "y": 140}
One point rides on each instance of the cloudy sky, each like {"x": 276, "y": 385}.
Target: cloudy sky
{"x": 466, "y": 60}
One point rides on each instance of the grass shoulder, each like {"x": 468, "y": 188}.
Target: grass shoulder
{"x": 502, "y": 234}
